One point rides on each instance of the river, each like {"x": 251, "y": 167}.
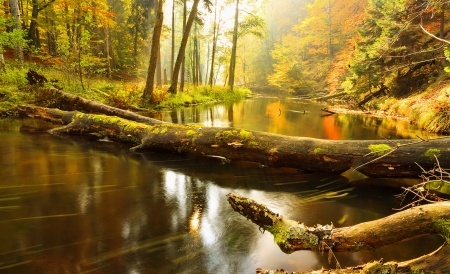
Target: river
{"x": 77, "y": 205}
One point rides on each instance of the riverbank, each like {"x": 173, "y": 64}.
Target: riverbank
{"x": 124, "y": 94}
{"x": 429, "y": 109}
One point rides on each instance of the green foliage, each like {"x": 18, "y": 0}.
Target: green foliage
{"x": 203, "y": 94}
{"x": 390, "y": 52}
{"x": 10, "y": 39}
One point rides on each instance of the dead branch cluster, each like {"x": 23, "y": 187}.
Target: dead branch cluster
{"x": 432, "y": 181}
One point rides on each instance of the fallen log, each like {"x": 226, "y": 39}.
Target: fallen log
{"x": 292, "y": 235}
{"x": 305, "y": 154}
{"x": 331, "y": 96}
{"x": 66, "y": 101}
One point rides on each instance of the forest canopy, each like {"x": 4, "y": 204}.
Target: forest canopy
{"x": 299, "y": 46}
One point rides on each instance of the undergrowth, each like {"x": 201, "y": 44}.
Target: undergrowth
{"x": 123, "y": 94}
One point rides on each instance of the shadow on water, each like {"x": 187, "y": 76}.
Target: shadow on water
{"x": 77, "y": 205}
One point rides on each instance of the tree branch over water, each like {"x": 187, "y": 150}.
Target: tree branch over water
{"x": 291, "y": 235}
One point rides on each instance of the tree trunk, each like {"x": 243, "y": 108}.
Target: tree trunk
{"x": 176, "y": 70}
{"x": 149, "y": 86}
{"x": 15, "y": 12}
{"x": 33, "y": 34}
{"x": 293, "y": 235}
{"x": 2, "y": 63}
{"x": 302, "y": 153}
{"x": 172, "y": 49}
{"x": 213, "y": 54}
{"x": 183, "y": 63}
{"x": 441, "y": 35}
{"x": 71, "y": 102}
{"x": 234, "y": 47}
{"x": 107, "y": 51}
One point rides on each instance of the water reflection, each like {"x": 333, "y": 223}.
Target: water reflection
{"x": 71, "y": 205}
{"x": 292, "y": 117}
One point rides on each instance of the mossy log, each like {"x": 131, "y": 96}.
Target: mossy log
{"x": 305, "y": 154}
{"x": 70, "y": 102}
{"x": 292, "y": 235}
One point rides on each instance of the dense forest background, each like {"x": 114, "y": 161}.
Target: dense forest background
{"x": 300, "y": 46}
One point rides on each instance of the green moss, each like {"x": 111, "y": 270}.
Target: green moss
{"x": 432, "y": 152}
{"x": 253, "y": 143}
{"x": 163, "y": 130}
{"x": 227, "y": 134}
{"x": 443, "y": 227}
{"x": 246, "y": 135}
{"x": 318, "y": 150}
{"x": 380, "y": 149}
{"x": 283, "y": 229}
{"x": 190, "y": 133}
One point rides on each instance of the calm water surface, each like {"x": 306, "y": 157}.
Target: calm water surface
{"x": 76, "y": 205}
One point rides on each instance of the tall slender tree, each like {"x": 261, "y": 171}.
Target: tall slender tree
{"x": 172, "y": 49}
{"x": 183, "y": 63}
{"x": 15, "y": 12}
{"x": 176, "y": 70}
{"x": 233, "y": 48}
{"x": 149, "y": 86}
{"x": 213, "y": 54}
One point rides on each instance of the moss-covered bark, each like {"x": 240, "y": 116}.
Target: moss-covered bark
{"x": 292, "y": 235}
{"x": 305, "y": 154}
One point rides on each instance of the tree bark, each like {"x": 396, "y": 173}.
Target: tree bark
{"x": 154, "y": 54}
{"x": 183, "y": 62}
{"x": 2, "y": 62}
{"x": 172, "y": 48}
{"x": 15, "y": 12}
{"x": 233, "y": 48}
{"x": 180, "y": 57}
{"x": 71, "y": 102}
{"x": 305, "y": 154}
{"x": 293, "y": 235}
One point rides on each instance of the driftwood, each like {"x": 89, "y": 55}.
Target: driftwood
{"x": 293, "y": 235}
{"x": 305, "y": 154}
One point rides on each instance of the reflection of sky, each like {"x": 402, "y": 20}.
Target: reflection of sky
{"x": 175, "y": 190}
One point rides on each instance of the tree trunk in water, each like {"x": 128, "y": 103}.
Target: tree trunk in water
{"x": 176, "y": 70}
{"x": 148, "y": 91}
{"x": 234, "y": 47}
{"x": 302, "y": 153}
{"x": 15, "y": 12}
{"x": 293, "y": 235}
